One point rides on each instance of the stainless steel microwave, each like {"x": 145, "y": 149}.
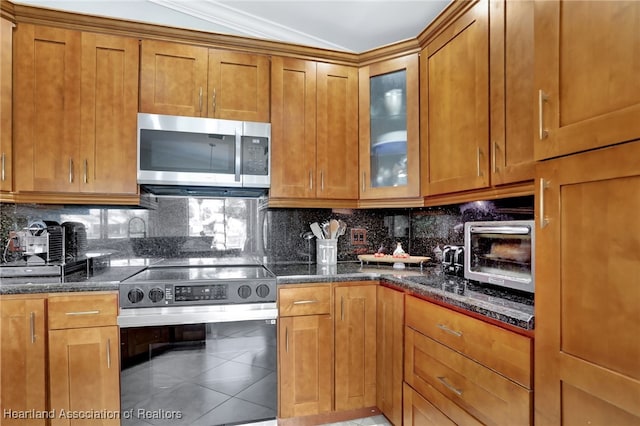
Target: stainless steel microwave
{"x": 501, "y": 253}
{"x": 203, "y": 152}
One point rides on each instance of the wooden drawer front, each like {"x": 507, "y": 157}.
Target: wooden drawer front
{"x": 499, "y": 349}
{"x": 313, "y": 300}
{"x": 82, "y": 310}
{"x": 420, "y": 412}
{"x": 485, "y": 394}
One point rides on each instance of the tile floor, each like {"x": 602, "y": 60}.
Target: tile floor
{"x": 229, "y": 379}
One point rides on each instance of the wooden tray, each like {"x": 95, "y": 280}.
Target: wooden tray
{"x": 390, "y": 259}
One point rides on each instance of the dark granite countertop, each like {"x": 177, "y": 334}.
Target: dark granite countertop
{"x": 510, "y": 307}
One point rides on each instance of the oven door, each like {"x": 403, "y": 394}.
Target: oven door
{"x": 500, "y": 253}
{"x": 198, "y": 368}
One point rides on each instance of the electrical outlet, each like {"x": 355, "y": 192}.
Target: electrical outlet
{"x": 358, "y": 236}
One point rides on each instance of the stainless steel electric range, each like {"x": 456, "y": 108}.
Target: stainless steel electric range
{"x": 198, "y": 339}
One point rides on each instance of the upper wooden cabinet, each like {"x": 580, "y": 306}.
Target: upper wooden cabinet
{"x": 587, "y": 350}
{"x": 389, "y": 129}
{"x": 180, "y": 79}
{"x": 6, "y": 90}
{"x": 74, "y": 111}
{"x": 22, "y": 356}
{"x": 454, "y": 100}
{"x": 587, "y": 62}
{"x": 314, "y": 124}
{"x": 511, "y": 87}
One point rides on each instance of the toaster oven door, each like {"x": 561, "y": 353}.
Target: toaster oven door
{"x": 501, "y": 253}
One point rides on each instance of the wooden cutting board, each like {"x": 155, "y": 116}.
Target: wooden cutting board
{"x": 390, "y": 259}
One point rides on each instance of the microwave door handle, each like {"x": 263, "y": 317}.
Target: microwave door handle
{"x": 517, "y": 230}
{"x": 238, "y": 154}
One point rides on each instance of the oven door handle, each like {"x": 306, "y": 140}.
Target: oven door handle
{"x": 515, "y": 230}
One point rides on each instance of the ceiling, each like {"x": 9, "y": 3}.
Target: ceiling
{"x": 350, "y": 26}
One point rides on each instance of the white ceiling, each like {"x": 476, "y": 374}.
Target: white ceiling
{"x": 352, "y": 26}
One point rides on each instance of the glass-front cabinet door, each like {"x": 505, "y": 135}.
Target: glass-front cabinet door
{"x": 389, "y": 140}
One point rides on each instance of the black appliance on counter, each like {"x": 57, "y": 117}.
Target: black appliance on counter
{"x": 453, "y": 260}
{"x": 75, "y": 239}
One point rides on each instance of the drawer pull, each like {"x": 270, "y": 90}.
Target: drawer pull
{"x": 83, "y": 313}
{"x": 444, "y": 381}
{"x": 450, "y": 331}
{"x": 304, "y": 302}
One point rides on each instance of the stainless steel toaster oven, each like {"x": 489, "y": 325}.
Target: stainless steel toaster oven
{"x": 501, "y": 253}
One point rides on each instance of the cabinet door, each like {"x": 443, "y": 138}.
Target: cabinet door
{"x": 587, "y": 62}
{"x": 22, "y": 358}
{"x": 293, "y": 128}
{"x": 337, "y": 132}
{"x": 46, "y": 109}
{"x": 305, "y": 353}
{"x": 588, "y": 269}
{"x": 84, "y": 372}
{"x": 389, "y": 129}
{"x": 355, "y": 347}
{"x": 511, "y": 74}
{"x": 389, "y": 353}
{"x": 454, "y": 106}
{"x": 108, "y": 117}
{"x": 173, "y": 78}
{"x": 238, "y": 86}
{"x": 6, "y": 90}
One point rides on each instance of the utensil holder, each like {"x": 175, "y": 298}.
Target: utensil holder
{"x": 326, "y": 252}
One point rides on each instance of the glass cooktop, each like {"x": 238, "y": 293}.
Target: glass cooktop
{"x": 208, "y": 273}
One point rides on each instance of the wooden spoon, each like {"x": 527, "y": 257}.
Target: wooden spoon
{"x": 333, "y": 228}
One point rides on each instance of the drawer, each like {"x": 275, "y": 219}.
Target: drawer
{"x": 313, "y": 300}
{"x": 486, "y": 395}
{"x": 82, "y": 310}
{"x": 501, "y": 350}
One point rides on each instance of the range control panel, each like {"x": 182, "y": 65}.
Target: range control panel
{"x": 149, "y": 294}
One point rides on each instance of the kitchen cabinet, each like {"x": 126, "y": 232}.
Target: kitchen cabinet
{"x": 454, "y": 99}
{"x": 390, "y": 353}
{"x": 75, "y": 111}
{"x": 22, "y": 357}
{"x": 466, "y": 368}
{"x": 355, "y": 346}
{"x": 84, "y": 361}
{"x": 6, "y": 90}
{"x": 389, "y": 129}
{"x": 181, "y": 79}
{"x": 313, "y": 128}
{"x": 587, "y": 59}
{"x": 305, "y": 351}
{"x": 587, "y": 280}
{"x": 511, "y": 84}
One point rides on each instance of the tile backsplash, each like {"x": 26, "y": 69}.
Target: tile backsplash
{"x": 182, "y": 227}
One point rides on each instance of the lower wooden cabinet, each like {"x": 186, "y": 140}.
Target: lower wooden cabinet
{"x": 84, "y": 360}
{"x": 390, "y": 353}
{"x": 22, "y": 359}
{"x": 444, "y": 364}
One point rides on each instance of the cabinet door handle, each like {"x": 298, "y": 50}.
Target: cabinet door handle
{"x": 544, "y": 184}
{"x": 542, "y": 98}
{"x": 70, "y": 170}
{"x": 321, "y": 181}
{"x": 286, "y": 339}
{"x": 455, "y": 390}
{"x": 493, "y": 155}
{"x": 450, "y": 331}
{"x": 478, "y": 154}
{"x": 108, "y": 353}
{"x": 3, "y": 162}
{"x": 82, "y": 313}
{"x": 200, "y": 100}
{"x": 86, "y": 170}
{"x": 310, "y": 179}
{"x": 364, "y": 181}
{"x": 213, "y": 100}
{"x": 341, "y": 308}
{"x": 304, "y": 302}
{"x": 32, "y": 326}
